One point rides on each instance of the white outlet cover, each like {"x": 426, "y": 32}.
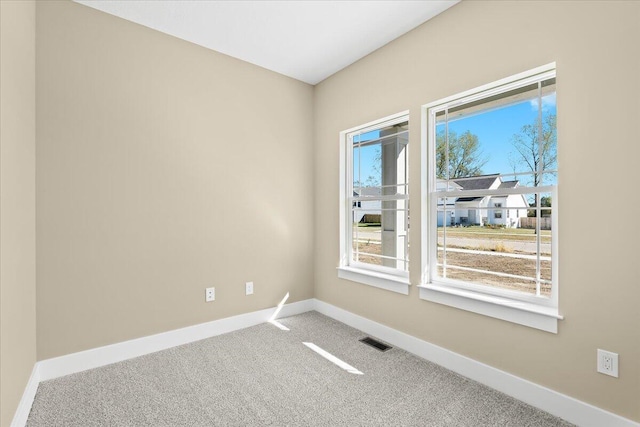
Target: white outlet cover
{"x": 608, "y": 363}
{"x": 249, "y": 288}
{"x": 210, "y": 294}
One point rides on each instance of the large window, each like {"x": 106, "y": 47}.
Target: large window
{"x": 491, "y": 208}
{"x": 375, "y": 204}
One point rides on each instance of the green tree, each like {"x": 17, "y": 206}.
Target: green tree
{"x": 545, "y": 202}
{"x": 465, "y": 156}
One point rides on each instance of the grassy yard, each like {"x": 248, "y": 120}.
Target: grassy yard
{"x": 521, "y": 234}
{"x": 375, "y": 226}
{"x": 514, "y": 234}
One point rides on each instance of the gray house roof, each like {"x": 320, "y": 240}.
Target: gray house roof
{"x": 508, "y": 184}
{"x": 367, "y": 191}
{"x": 481, "y": 182}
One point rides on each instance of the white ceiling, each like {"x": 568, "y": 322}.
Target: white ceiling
{"x": 306, "y": 40}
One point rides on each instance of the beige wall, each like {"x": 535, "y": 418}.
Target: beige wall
{"x": 595, "y": 45}
{"x": 17, "y": 202}
{"x": 163, "y": 168}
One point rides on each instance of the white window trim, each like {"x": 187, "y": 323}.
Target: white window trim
{"x": 376, "y": 279}
{"x": 379, "y": 277}
{"x": 511, "y": 310}
{"x": 535, "y": 312}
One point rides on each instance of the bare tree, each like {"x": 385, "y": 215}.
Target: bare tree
{"x": 535, "y": 153}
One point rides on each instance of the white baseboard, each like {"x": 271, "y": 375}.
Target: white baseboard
{"x": 101, "y": 356}
{"x": 24, "y": 407}
{"x": 295, "y": 308}
{"x": 558, "y": 404}
{"x": 96, "y": 357}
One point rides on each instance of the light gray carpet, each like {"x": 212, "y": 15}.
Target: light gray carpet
{"x": 264, "y": 376}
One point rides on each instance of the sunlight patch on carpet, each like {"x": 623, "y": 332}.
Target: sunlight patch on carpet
{"x": 273, "y": 320}
{"x": 330, "y": 357}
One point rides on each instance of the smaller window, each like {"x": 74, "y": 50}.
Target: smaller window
{"x": 375, "y": 195}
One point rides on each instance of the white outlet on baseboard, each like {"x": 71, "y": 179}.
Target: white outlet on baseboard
{"x": 210, "y": 294}
{"x": 608, "y": 363}
{"x": 248, "y": 287}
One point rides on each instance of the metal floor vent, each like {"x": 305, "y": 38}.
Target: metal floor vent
{"x": 376, "y": 344}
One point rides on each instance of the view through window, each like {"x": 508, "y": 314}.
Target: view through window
{"x": 493, "y": 188}
{"x": 378, "y": 197}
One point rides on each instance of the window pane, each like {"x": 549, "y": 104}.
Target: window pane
{"x": 366, "y": 236}
{"x": 543, "y": 217}
{"x": 482, "y": 249}
{"x": 513, "y": 133}
{"x": 489, "y": 278}
{"x": 367, "y": 166}
{"x": 356, "y": 170}
{"x": 546, "y": 205}
{"x": 491, "y": 154}
{"x": 494, "y": 264}
{"x": 380, "y": 235}
{"x": 380, "y": 176}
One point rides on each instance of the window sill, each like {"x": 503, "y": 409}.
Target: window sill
{"x": 376, "y": 279}
{"x": 520, "y": 312}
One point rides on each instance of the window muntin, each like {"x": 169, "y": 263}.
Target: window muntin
{"x": 492, "y": 222}
{"x": 378, "y": 197}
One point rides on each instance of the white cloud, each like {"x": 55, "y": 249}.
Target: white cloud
{"x": 548, "y": 102}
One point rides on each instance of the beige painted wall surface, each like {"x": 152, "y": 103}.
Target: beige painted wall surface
{"x": 17, "y": 202}
{"x": 595, "y": 46}
{"x": 162, "y": 168}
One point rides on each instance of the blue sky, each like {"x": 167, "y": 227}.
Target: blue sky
{"x": 366, "y": 156}
{"x": 494, "y": 129}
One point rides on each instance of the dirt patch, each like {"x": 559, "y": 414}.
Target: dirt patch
{"x": 494, "y": 263}
{"x": 366, "y": 248}
{"x": 499, "y": 264}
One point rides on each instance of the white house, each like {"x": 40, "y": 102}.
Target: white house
{"x": 473, "y": 210}
{"x": 366, "y": 207}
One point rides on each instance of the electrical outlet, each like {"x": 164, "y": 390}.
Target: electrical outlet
{"x": 210, "y": 294}
{"x": 248, "y": 287}
{"x": 608, "y": 363}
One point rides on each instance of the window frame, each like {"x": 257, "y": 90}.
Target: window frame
{"x": 497, "y": 211}
{"x": 529, "y": 310}
{"x": 388, "y": 278}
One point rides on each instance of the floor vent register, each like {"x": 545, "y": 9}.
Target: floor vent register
{"x": 375, "y": 344}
